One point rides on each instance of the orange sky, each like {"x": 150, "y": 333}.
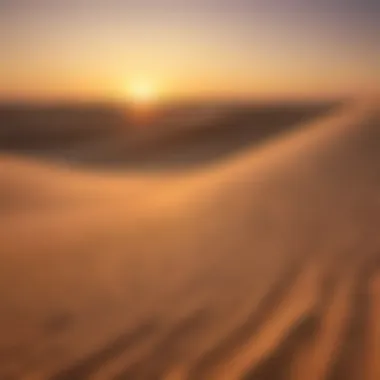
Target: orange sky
{"x": 226, "y": 49}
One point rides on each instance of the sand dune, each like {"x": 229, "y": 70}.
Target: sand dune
{"x": 172, "y": 137}
{"x": 261, "y": 265}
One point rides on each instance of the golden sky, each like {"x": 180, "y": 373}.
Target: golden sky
{"x": 202, "y": 49}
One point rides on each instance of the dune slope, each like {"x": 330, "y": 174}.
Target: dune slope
{"x": 262, "y": 266}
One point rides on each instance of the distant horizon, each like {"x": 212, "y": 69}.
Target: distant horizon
{"x": 72, "y": 102}
{"x": 221, "y": 98}
{"x": 196, "y": 98}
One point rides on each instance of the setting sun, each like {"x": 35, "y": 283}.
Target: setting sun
{"x": 142, "y": 92}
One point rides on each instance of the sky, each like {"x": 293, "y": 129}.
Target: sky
{"x": 94, "y": 49}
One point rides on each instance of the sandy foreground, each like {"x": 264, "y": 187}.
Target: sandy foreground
{"x": 265, "y": 265}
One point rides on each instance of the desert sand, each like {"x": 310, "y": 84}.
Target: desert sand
{"x": 262, "y": 264}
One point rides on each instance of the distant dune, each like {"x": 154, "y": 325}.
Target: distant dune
{"x": 169, "y": 137}
{"x": 262, "y": 264}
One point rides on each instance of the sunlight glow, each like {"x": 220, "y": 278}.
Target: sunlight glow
{"x": 142, "y": 92}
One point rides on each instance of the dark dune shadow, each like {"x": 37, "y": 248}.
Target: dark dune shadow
{"x": 105, "y": 137}
{"x": 91, "y": 364}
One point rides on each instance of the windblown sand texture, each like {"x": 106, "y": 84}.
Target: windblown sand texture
{"x": 263, "y": 263}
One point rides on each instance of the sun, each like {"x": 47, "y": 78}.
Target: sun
{"x": 142, "y": 92}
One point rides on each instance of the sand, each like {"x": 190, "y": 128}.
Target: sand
{"x": 264, "y": 264}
